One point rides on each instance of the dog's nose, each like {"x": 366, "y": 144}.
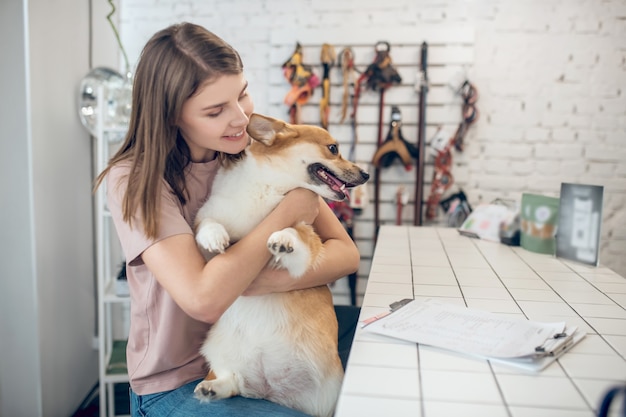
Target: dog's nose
{"x": 365, "y": 175}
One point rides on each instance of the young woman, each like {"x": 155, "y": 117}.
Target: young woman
{"x": 190, "y": 110}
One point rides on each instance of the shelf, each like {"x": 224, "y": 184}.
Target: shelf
{"x": 112, "y": 352}
{"x": 110, "y": 296}
{"x": 116, "y": 370}
{"x": 115, "y": 378}
{"x": 115, "y": 134}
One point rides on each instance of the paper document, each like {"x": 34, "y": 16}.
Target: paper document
{"x": 474, "y": 332}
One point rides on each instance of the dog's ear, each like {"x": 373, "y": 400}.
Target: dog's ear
{"x": 265, "y": 129}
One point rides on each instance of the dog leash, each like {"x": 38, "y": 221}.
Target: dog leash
{"x": 442, "y": 176}
{"x": 442, "y": 179}
{"x": 422, "y": 87}
{"x": 327, "y": 57}
{"x": 378, "y": 76}
{"x": 348, "y": 71}
{"x": 303, "y": 83}
{"x": 469, "y": 112}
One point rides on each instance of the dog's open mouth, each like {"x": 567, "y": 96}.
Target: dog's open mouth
{"x": 327, "y": 177}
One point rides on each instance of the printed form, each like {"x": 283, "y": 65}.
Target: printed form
{"x": 475, "y": 332}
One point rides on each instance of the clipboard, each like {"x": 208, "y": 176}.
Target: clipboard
{"x": 520, "y": 343}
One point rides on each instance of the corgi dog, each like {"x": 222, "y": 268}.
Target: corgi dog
{"x": 281, "y": 347}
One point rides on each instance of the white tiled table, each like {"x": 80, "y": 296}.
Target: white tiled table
{"x": 388, "y": 377}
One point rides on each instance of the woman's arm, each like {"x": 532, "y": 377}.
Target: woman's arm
{"x": 204, "y": 290}
{"x": 341, "y": 258}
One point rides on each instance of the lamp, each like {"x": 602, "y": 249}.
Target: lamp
{"x": 116, "y": 88}
{"x": 116, "y": 100}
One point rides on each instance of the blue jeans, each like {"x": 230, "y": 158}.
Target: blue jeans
{"x": 181, "y": 403}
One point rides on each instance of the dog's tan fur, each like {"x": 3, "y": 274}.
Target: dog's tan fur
{"x": 283, "y": 346}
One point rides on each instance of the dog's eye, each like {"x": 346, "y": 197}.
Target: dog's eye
{"x": 333, "y": 149}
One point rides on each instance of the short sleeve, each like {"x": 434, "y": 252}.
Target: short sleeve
{"x": 132, "y": 237}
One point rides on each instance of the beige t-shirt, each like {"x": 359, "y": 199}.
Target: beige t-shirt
{"x": 164, "y": 342}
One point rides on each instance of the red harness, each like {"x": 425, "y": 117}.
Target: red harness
{"x": 442, "y": 177}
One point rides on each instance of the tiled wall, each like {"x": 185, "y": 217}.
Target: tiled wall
{"x": 551, "y": 75}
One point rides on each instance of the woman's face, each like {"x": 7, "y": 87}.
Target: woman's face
{"x": 215, "y": 118}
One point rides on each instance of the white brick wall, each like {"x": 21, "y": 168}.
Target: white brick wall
{"x": 551, "y": 76}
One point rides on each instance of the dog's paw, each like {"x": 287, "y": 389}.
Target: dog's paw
{"x": 281, "y": 242}
{"x": 213, "y": 237}
{"x": 289, "y": 251}
{"x": 215, "y": 389}
{"x": 204, "y": 391}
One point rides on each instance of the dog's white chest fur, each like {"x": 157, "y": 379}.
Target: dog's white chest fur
{"x": 240, "y": 199}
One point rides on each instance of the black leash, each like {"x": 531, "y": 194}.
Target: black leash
{"x": 421, "y": 137}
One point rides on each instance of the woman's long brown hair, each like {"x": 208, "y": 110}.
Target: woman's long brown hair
{"x": 175, "y": 62}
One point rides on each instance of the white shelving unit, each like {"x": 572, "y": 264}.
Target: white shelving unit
{"x": 112, "y": 325}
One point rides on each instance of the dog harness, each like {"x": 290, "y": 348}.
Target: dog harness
{"x": 395, "y": 146}
{"x": 379, "y": 75}
{"x": 303, "y": 82}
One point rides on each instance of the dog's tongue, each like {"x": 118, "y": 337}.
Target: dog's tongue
{"x": 334, "y": 183}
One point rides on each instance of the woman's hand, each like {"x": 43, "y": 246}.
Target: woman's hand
{"x": 300, "y": 204}
{"x": 340, "y": 257}
{"x": 271, "y": 280}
